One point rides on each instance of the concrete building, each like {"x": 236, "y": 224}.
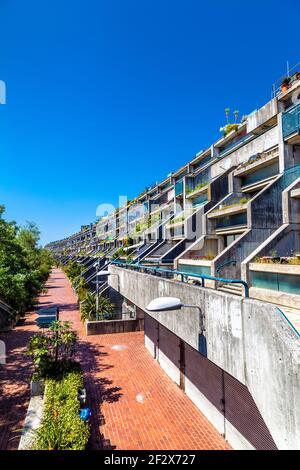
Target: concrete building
{"x": 231, "y": 212}
{"x": 221, "y": 233}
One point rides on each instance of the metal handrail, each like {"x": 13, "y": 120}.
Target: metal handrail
{"x": 185, "y": 275}
{"x": 233, "y": 262}
{"x": 289, "y": 322}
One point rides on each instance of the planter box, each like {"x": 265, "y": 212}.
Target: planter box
{"x": 195, "y": 262}
{"x": 197, "y": 192}
{"x": 227, "y": 210}
{"x": 292, "y": 269}
{"x": 276, "y": 297}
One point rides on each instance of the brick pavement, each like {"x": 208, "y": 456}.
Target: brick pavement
{"x": 134, "y": 403}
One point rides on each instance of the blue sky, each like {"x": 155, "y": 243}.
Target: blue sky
{"x": 106, "y": 97}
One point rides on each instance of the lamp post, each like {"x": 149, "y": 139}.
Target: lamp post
{"x": 108, "y": 273}
{"x": 167, "y": 304}
{"x": 96, "y": 265}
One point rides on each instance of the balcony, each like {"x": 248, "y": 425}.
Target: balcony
{"x": 259, "y": 176}
{"x": 201, "y": 188}
{"x": 232, "y": 206}
{"x": 291, "y": 125}
{"x": 257, "y": 162}
{"x": 200, "y": 164}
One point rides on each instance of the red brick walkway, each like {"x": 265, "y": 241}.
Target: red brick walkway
{"x": 134, "y": 403}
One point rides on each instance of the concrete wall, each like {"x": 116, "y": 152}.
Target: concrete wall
{"x": 264, "y": 216}
{"x": 262, "y": 143}
{"x": 262, "y": 115}
{"x": 113, "y": 326}
{"x": 285, "y": 240}
{"x": 246, "y": 338}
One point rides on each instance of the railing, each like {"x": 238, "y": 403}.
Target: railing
{"x": 179, "y": 188}
{"x": 291, "y": 72}
{"x": 261, "y": 174}
{"x": 236, "y": 144}
{"x": 8, "y": 309}
{"x": 233, "y": 262}
{"x": 169, "y": 273}
{"x": 291, "y": 121}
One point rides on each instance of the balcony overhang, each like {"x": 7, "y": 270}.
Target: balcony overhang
{"x": 293, "y": 139}
{"x": 196, "y": 193}
{"x": 295, "y": 193}
{"x": 260, "y": 163}
{"x": 232, "y": 230}
{"x": 238, "y": 209}
{"x": 177, "y": 224}
{"x": 257, "y": 186}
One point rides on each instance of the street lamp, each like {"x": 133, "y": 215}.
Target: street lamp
{"x": 96, "y": 266}
{"x": 108, "y": 273}
{"x": 164, "y": 304}
{"x": 167, "y": 304}
{"x": 104, "y": 274}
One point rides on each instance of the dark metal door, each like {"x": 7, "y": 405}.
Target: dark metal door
{"x": 242, "y": 412}
{"x": 151, "y": 331}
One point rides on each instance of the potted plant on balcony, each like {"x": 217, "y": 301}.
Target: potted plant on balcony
{"x": 285, "y": 84}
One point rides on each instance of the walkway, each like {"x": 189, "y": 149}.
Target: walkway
{"x": 134, "y": 403}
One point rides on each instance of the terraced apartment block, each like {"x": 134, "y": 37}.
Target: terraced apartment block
{"x": 221, "y": 233}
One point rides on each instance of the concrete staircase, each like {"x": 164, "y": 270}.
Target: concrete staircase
{"x": 292, "y": 314}
{"x": 235, "y": 289}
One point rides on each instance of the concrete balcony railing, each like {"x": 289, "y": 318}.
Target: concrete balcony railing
{"x": 291, "y": 125}
{"x": 228, "y": 210}
{"x": 267, "y": 115}
{"x": 201, "y": 189}
{"x": 257, "y": 162}
{"x": 282, "y": 281}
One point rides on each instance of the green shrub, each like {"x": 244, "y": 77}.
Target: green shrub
{"x": 229, "y": 128}
{"x": 61, "y": 427}
{"x": 82, "y": 288}
{"x": 52, "y": 352}
{"x": 24, "y": 265}
{"x": 88, "y": 308}
{"x": 243, "y": 200}
{"x": 73, "y": 270}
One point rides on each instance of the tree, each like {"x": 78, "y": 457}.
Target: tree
{"x": 24, "y": 265}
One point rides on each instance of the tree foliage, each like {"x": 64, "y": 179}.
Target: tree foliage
{"x": 24, "y": 265}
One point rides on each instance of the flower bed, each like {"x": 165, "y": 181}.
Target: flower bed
{"x": 61, "y": 427}
{"x": 277, "y": 260}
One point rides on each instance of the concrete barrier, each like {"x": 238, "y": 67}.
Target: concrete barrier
{"x": 113, "y": 326}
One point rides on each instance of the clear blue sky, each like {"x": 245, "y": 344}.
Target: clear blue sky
{"x": 106, "y": 97}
